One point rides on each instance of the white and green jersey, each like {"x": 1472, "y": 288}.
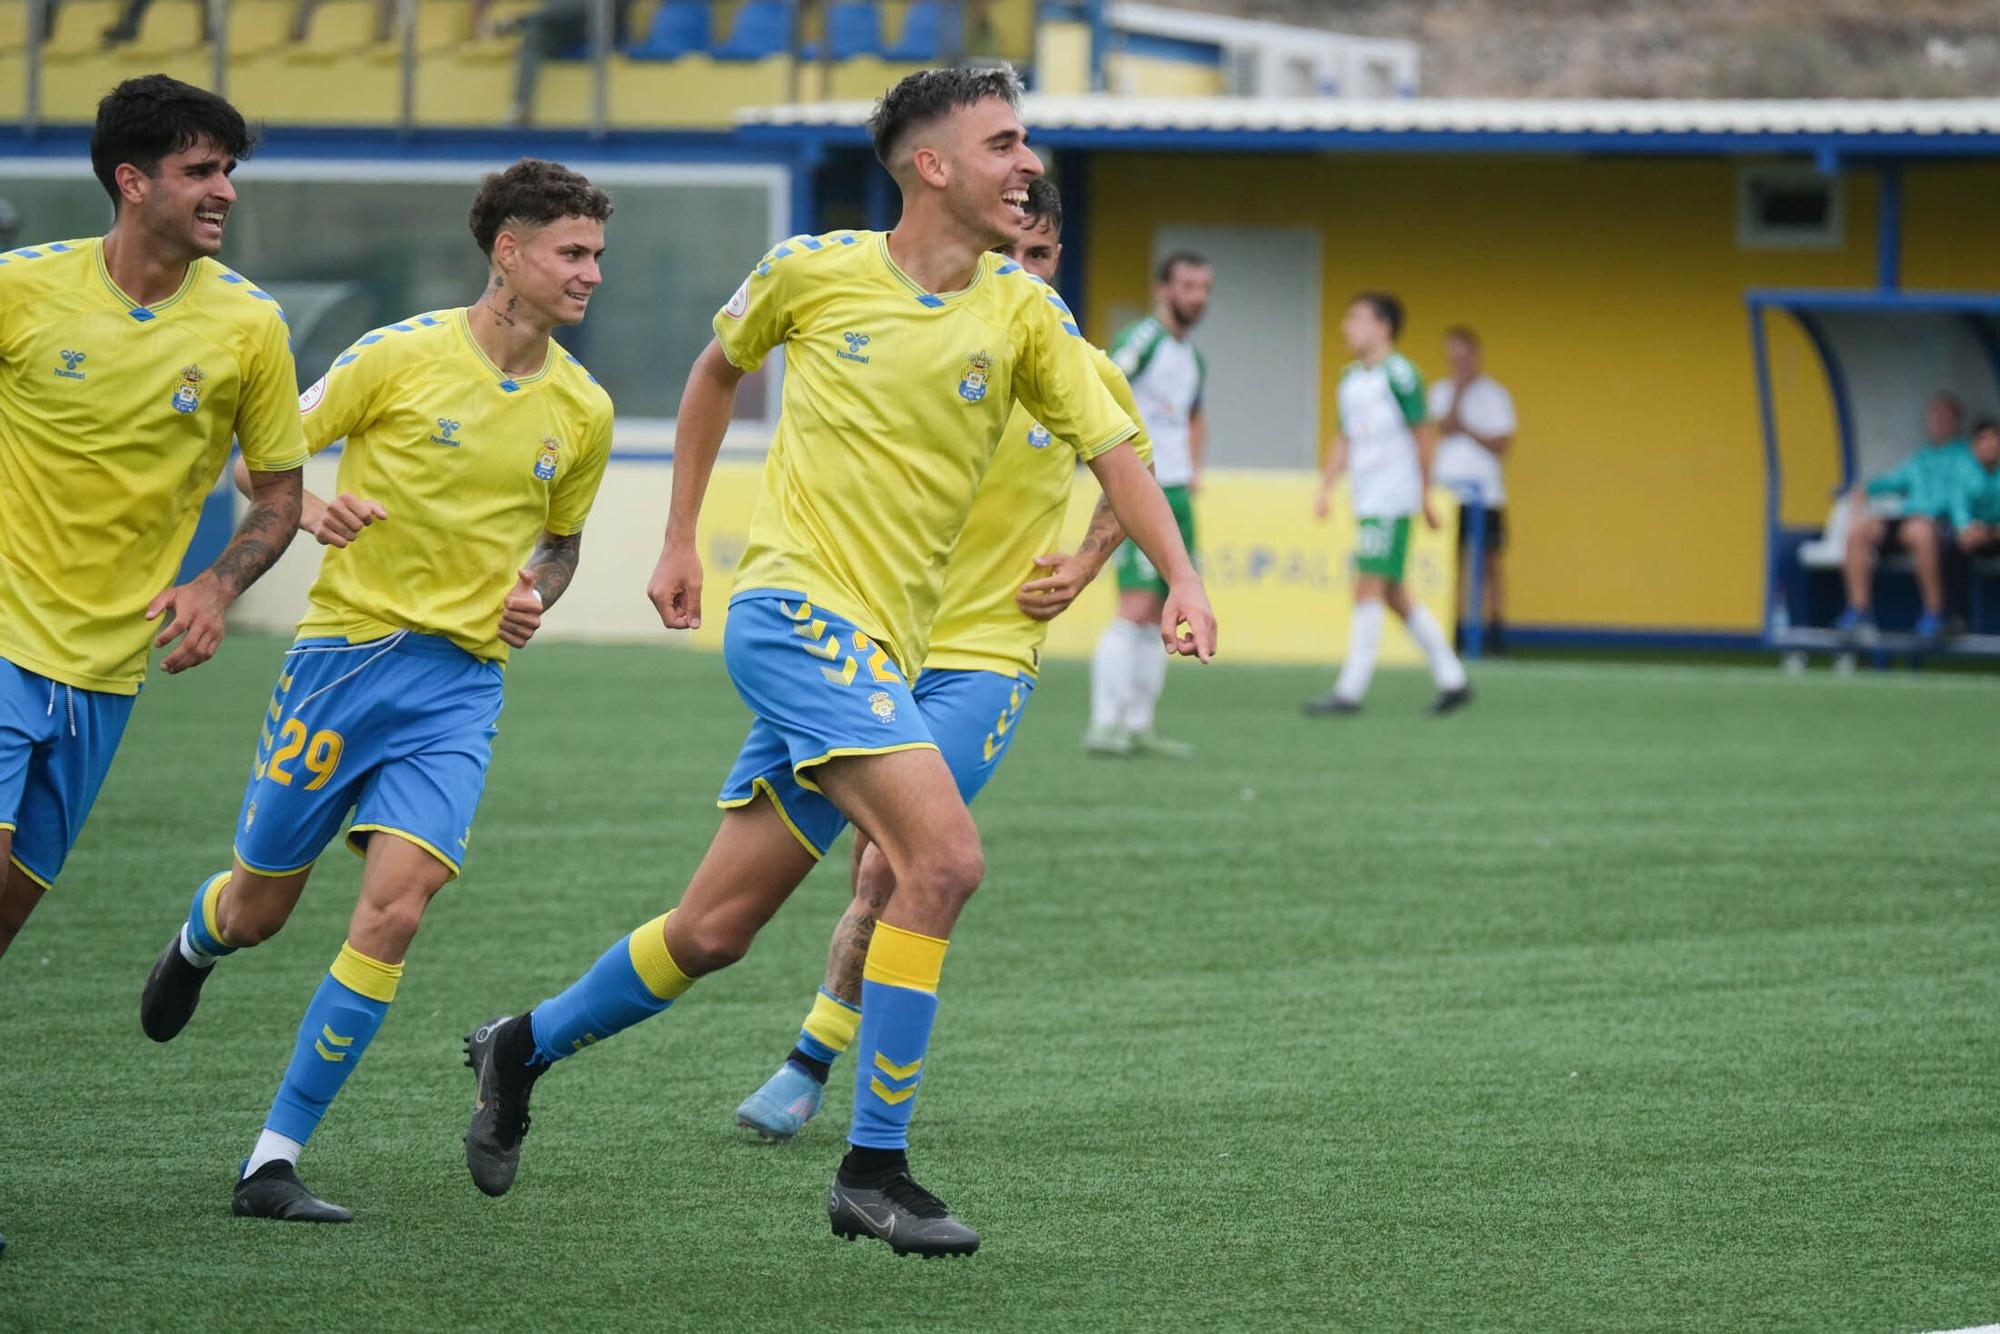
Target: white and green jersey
{"x": 1379, "y": 407}
{"x": 1166, "y": 374}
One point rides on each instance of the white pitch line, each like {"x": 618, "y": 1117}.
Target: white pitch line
{"x": 1970, "y": 1329}
{"x": 1771, "y": 675}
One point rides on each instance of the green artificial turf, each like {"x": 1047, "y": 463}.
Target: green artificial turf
{"x": 1631, "y": 998}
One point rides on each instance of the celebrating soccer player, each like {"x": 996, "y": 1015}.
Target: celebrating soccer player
{"x": 127, "y": 364}
{"x": 1385, "y": 444}
{"x": 473, "y": 442}
{"x": 904, "y": 353}
{"x": 976, "y": 681}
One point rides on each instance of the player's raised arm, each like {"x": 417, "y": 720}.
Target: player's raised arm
{"x": 707, "y": 404}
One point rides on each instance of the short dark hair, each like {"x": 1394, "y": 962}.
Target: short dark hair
{"x": 1465, "y": 334}
{"x": 1386, "y": 307}
{"x": 1044, "y": 204}
{"x": 1985, "y": 424}
{"x": 1165, "y": 273}
{"x": 145, "y": 120}
{"x": 533, "y": 193}
{"x": 929, "y": 95}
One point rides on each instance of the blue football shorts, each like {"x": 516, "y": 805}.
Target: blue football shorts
{"x": 397, "y": 730}
{"x": 56, "y": 744}
{"x": 820, "y": 689}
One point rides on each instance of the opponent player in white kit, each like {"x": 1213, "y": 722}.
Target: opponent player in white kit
{"x": 1128, "y": 671}
{"x": 1386, "y": 444}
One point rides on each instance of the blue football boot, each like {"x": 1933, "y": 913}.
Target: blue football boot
{"x": 782, "y": 1107}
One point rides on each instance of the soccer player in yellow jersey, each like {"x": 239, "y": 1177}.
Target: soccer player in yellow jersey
{"x": 979, "y": 676}
{"x": 904, "y": 352}
{"x": 475, "y": 446}
{"x": 127, "y": 364}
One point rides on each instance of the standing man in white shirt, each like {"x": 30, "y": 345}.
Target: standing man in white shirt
{"x": 1385, "y": 446}
{"x": 1128, "y": 671}
{"x": 1476, "y": 415}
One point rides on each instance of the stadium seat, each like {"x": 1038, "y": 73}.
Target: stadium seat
{"x": 679, "y": 28}
{"x": 854, "y": 28}
{"x": 338, "y": 29}
{"x": 926, "y": 27}
{"x": 763, "y": 28}
{"x": 78, "y": 31}
{"x": 259, "y": 27}
{"x": 170, "y": 26}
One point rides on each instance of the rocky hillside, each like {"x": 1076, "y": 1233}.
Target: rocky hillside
{"x": 1673, "y": 48}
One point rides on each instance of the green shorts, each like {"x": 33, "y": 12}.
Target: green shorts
{"x": 1134, "y": 570}
{"x": 1382, "y": 547}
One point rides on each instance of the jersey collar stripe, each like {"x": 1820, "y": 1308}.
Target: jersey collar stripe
{"x": 507, "y": 382}
{"x": 134, "y": 307}
{"x": 930, "y": 299}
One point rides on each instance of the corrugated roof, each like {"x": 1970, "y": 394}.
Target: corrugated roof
{"x": 1449, "y": 116}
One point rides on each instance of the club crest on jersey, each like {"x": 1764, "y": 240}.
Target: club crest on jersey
{"x": 70, "y": 361}
{"x": 1038, "y": 436}
{"x": 187, "y": 394}
{"x": 883, "y": 707}
{"x": 545, "y": 462}
{"x": 972, "y": 384}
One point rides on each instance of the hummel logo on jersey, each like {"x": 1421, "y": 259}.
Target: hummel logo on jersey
{"x": 70, "y": 362}
{"x": 447, "y": 429}
{"x": 855, "y": 342}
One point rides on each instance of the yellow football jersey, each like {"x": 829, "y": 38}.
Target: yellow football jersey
{"x": 471, "y": 465}
{"x": 1017, "y": 516}
{"x": 115, "y": 421}
{"x": 894, "y": 400}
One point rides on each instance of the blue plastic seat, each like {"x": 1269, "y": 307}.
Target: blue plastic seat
{"x": 926, "y": 24}
{"x": 854, "y": 28}
{"x": 680, "y": 27}
{"x": 763, "y": 28}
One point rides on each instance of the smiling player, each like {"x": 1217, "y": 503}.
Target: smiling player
{"x": 473, "y": 442}
{"x": 127, "y": 364}
{"x": 878, "y": 456}
{"x": 980, "y": 673}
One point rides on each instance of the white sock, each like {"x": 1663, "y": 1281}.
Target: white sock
{"x": 1110, "y": 677}
{"x": 1149, "y": 678}
{"x": 1446, "y": 669}
{"x": 1364, "y": 638}
{"x": 191, "y": 954}
{"x": 271, "y": 1146}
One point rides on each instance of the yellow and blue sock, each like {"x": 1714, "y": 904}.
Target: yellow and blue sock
{"x": 344, "y": 1015}
{"x": 827, "y": 1032}
{"x": 201, "y": 939}
{"x": 633, "y": 980}
{"x": 899, "y": 985}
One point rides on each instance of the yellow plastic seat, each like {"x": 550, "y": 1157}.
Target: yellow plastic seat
{"x": 340, "y": 28}
{"x": 259, "y": 27}
{"x": 171, "y": 26}
{"x": 79, "y": 30}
